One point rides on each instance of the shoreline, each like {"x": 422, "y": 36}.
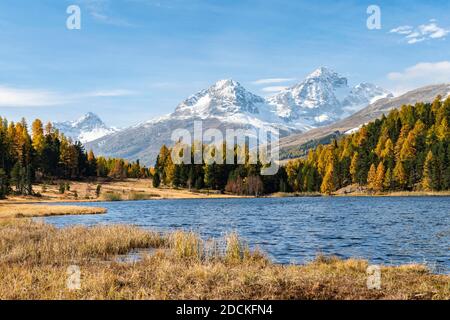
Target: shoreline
{"x": 141, "y": 189}
{"x": 196, "y": 196}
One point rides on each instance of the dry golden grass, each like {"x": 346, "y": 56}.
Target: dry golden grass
{"x": 34, "y": 258}
{"x": 36, "y": 210}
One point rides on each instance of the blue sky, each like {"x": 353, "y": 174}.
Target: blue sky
{"x": 133, "y": 60}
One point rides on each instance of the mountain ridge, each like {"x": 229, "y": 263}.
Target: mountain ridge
{"x": 371, "y": 112}
{"x": 320, "y": 99}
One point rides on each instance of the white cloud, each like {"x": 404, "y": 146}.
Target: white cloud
{"x": 111, "y": 93}
{"x": 421, "y": 33}
{"x": 419, "y": 75}
{"x": 402, "y": 30}
{"x": 13, "y": 97}
{"x": 274, "y": 89}
{"x": 99, "y": 10}
{"x": 273, "y": 80}
{"x": 16, "y": 97}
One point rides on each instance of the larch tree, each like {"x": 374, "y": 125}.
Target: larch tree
{"x": 400, "y": 176}
{"x": 379, "y": 179}
{"x": 328, "y": 184}
{"x": 427, "y": 182}
{"x": 372, "y": 177}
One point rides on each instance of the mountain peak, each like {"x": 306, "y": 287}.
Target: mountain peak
{"x": 87, "y": 128}
{"x": 223, "y": 98}
{"x": 224, "y": 83}
{"x": 324, "y": 97}
{"x": 322, "y": 72}
{"x": 89, "y": 118}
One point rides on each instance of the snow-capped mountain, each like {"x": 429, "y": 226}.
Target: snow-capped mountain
{"x": 223, "y": 98}
{"x": 229, "y": 102}
{"x": 368, "y": 114}
{"x": 87, "y": 128}
{"x": 322, "y": 98}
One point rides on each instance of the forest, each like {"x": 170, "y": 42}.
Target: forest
{"x": 407, "y": 150}
{"x": 44, "y": 154}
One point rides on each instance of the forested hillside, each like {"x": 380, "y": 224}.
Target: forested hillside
{"x": 406, "y": 150}
{"x": 46, "y": 154}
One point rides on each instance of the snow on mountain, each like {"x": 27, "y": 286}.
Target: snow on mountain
{"x": 87, "y": 128}
{"x": 229, "y": 102}
{"x": 324, "y": 97}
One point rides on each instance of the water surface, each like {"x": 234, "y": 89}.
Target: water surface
{"x": 392, "y": 230}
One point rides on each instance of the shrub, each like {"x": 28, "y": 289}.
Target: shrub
{"x": 112, "y": 196}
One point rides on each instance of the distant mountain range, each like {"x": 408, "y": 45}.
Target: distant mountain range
{"x": 87, "y": 128}
{"x": 295, "y": 142}
{"x": 323, "y": 98}
{"x": 320, "y": 108}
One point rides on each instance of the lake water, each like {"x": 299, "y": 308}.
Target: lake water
{"x": 394, "y": 230}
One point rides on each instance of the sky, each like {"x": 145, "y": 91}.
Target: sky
{"x": 133, "y": 60}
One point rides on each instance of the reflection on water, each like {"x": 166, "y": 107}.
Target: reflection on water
{"x": 395, "y": 230}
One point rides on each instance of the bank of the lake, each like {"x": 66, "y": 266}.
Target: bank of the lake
{"x": 141, "y": 189}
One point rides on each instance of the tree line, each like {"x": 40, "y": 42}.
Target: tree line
{"x": 406, "y": 150}
{"x": 40, "y": 154}
{"x": 241, "y": 179}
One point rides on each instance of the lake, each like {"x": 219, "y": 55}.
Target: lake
{"x": 383, "y": 230}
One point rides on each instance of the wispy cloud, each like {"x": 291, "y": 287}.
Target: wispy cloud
{"x": 273, "y": 80}
{"x": 274, "y": 89}
{"x": 421, "y": 74}
{"x": 111, "y": 93}
{"x": 14, "y": 97}
{"x": 11, "y": 97}
{"x": 421, "y": 33}
{"x": 99, "y": 10}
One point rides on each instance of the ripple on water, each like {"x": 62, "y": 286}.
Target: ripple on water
{"x": 393, "y": 230}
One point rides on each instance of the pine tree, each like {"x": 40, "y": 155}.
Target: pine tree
{"x": 156, "y": 181}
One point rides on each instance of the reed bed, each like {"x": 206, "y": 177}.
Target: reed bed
{"x": 42, "y": 210}
{"x": 34, "y": 258}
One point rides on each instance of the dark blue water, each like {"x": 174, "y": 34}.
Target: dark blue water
{"x": 395, "y": 230}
